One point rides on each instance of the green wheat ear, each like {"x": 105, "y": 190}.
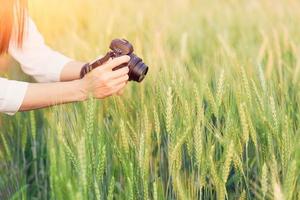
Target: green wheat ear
{"x": 130, "y": 186}
{"x": 180, "y": 188}
{"x": 33, "y": 125}
{"x": 71, "y": 156}
{"x": 6, "y": 147}
{"x": 211, "y": 101}
{"x": 246, "y": 84}
{"x": 188, "y": 123}
{"x": 286, "y": 146}
{"x": 252, "y": 130}
{"x": 97, "y": 191}
{"x": 101, "y": 163}
{"x": 81, "y": 149}
{"x": 244, "y": 124}
{"x": 111, "y": 189}
{"x": 169, "y": 112}
{"x": 243, "y": 196}
{"x": 198, "y": 141}
{"x": 90, "y": 116}
{"x": 264, "y": 180}
{"x": 290, "y": 180}
{"x": 124, "y": 138}
{"x": 274, "y": 115}
{"x": 155, "y": 194}
{"x": 220, "y": 88}
{"x": 258, "y": 96}
{"x": 227, "y": 163}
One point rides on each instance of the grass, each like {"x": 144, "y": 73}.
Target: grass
{"x": 216, "y": 118}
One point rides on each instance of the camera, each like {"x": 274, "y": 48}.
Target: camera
{"x": 119, "y": 47}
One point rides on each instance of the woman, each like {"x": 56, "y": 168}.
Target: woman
{"x": 58, "y": 75}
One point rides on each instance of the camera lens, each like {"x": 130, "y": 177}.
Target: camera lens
{"x": 138, "y": 69}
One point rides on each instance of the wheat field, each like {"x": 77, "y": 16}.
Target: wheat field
{"x": 217, "y": 116}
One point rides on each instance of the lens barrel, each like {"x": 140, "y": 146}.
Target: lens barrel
{"x": 137, "y": 68}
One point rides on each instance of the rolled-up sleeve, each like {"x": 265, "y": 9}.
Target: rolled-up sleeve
{"x": 12, "y": 94}
{"x": 36, "y": 58}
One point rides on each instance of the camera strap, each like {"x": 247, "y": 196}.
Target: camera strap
{"x": 90, "y": 66}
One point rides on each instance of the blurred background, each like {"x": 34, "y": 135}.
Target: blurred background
{"x": 180, "y": 32}
{"x": 222, "y": 56}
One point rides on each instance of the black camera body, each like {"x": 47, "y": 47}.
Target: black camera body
{"x": 137, "y": 68}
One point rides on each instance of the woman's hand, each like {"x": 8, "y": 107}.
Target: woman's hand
{"x": 103, "y": 81}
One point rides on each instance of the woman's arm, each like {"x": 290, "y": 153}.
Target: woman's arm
{"x": 40, "y": 61}
{"x": 100, "y": 83}
{"x": 71, "y": 71}
{"x": 40, "y": 95}
{"x": 37, "y": 59}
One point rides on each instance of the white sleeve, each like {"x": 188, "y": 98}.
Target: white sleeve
{"x": 12, "y": 94}
{"x": 36, "y": 58}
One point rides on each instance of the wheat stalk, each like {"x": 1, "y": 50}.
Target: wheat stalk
{"x": 141, "y": 151}
{"x": 156, "y": 125}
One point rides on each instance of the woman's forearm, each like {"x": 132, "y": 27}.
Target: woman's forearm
{"x": 71, "y": 71}
{"x": 40, "y": 95}
{"x": 100, "y": 83}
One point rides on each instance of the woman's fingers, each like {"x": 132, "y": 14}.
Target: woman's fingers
{"x": 122, "y": 79}
{"x": 115, "y": 62}
{"x": 104, "y": 82}
{"x": 118, "y": 73}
